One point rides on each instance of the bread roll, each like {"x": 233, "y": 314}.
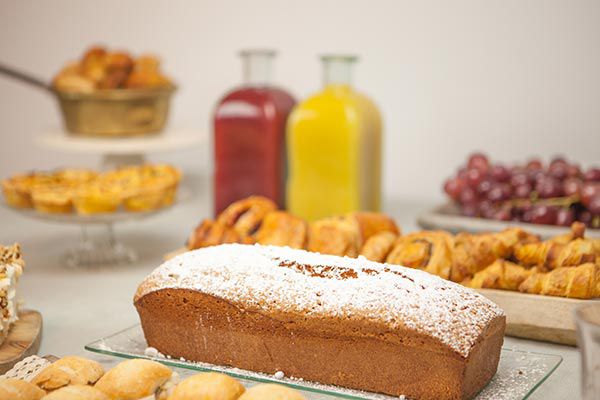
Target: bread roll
{"x": 70, "y": 370}
{"x": 271, "y": 391}
{"x": 134, "y": 379}
{"x": 16, "y": 389}
{"x": 77, "y": 392}
{"x": 208, "y": 386}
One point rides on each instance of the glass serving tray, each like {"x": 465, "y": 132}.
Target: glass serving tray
{"x": 519, "y": 373}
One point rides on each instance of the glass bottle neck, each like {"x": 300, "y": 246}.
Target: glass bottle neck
{"x": 337, "y": 70}
{"x": 257, "y": 67}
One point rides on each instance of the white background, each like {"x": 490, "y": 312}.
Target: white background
{"x": 513, "y": 78}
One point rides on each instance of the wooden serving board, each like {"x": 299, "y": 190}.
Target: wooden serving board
{"x": 23, "y": 339}
{"x": 532, "y": 316}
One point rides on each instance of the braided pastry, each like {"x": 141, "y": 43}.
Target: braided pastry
{"x": 582, "y": 282}
{"x": 551, "y": 254}
{"x": 473, "y": 252}
{"x": 501, "y": 274}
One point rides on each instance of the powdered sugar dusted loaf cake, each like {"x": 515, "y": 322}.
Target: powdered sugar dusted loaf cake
{"x": 11, "y": 268}
{"x": 348, "y": 322}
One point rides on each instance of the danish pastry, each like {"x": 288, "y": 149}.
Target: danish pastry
{"x": 245, "y": 216}
{"x": 429, "y": 251}
{"x": 283, "y": 229}
{"x": 212, "y": 233}
{"x": 70, "y": 370}
{"x": 338, "y": 236}
{"x": 372, "y": 223}
{"x": 378, "y": 246}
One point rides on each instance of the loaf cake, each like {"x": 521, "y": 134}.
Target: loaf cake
{"x": 11, "y": 268}
{"x": 335, "y": 320}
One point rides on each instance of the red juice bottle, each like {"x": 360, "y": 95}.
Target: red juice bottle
{"x": 249, "y": 136}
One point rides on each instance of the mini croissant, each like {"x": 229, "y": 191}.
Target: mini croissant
{"x": 582, "y": 282}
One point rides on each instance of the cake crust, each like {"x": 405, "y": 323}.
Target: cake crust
{"x": 347, "y": 322}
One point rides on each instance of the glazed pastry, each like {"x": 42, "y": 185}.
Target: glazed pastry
{"x": 11, "y": 269}
{"x": 53, "y": 199}
{"x": 551, "y": 254}
{"x": 77, "y": 392}
{"x": 75, "y": 176}
{"x": 577, "y": 232}
{"x": 212, "y": 233}
{"x": 210, "y": 385}
{"x": 473, "y": 252}
{"x": 17, "y": 190}
{"x": 282, "y": 229}
{"x": 134, "y": 379}
{"x": 16, "y": 389}
{"x": 146, "y": 74}
{"x": 271, "y": 391}
{"x": 70, "y": 370}
{"x": 378, "y": 246}
{"x": 338, "y": 236}
{"x": 582, "y": 282}
{"x": 245, "y": 216}
{"x": 427, "y": 250}
{"x": 97, "y": 197}
{"x": 501, "y": 274}
{"x": 157, "y": 185}
{"x": 371, "y": 223}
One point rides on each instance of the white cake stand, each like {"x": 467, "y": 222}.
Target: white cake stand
{"x": 119, "y": 151}
{"x": 105, "y": 249}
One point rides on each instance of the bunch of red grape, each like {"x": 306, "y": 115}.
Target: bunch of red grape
{"x": 555, "y": 194}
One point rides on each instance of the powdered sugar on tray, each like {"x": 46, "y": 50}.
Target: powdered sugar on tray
{"x": 272, "y": 278}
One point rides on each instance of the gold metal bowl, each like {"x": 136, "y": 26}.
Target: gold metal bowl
{"x": 115, "y": 112}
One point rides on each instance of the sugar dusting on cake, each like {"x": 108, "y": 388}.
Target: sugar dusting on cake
{"x": 288, "y": 280}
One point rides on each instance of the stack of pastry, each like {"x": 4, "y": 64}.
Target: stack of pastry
{"x": 99, "y": 68}
{"x": 77, "y": 378}
{"x": 136, "y": 188}
{"x": 513, "y": 259}
{"x": 11, "y": 268}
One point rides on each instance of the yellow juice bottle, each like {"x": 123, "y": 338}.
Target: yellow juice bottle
{"x": 334, "y": 148}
